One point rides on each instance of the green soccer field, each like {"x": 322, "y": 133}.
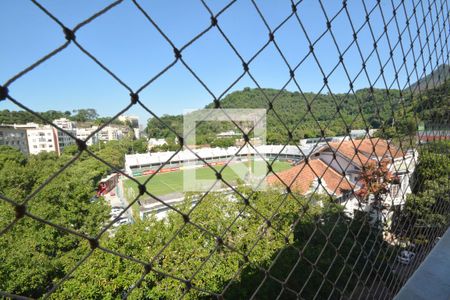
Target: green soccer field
{"x": 172, "y": 182}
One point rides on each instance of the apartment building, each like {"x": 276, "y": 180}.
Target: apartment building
{"x": 33, "y": 138}
{"x": 84, "y": 133}
{"x": 41, "y": 138}
{"x": 14, "y": 137}
{"x": 64, "y": 139}
{"x": 110, "y": 133}
{"x": 47, "y": 138}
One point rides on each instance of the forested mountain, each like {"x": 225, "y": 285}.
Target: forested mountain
{"x": 434, "y": 105}
{"x": 312, "y": 115}
{"x": 432, "y": 80}
{"x": 298, "y": 113}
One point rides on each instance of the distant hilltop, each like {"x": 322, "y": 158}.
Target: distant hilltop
{"x": 432, "y": 80}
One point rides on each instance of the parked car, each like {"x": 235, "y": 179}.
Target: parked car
{"x": 405, "y": 257}
{"x": 121, "y": 221}
{"x": 116, "y": 211}
{"x": 113, "y": 216}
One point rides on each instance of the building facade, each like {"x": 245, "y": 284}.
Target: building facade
{"x": 46, "y": 138}
{"x": 110, "y": 133}
{"x": 64, "y": 139}
{"x": 338, "y": 167}
{"x": 84, "y": 133}
{"x": 42, "y": 138}
{"x": 133, "y": 121}
{"x": 14, "y": 137}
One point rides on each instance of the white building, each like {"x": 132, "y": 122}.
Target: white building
{"x": 64, "y": 139}
{"x": 65, "y": 124}
{"x": 362, "y": 133}
{"x": 152, "y": 142}
{"x": 84, "y": 133}
{"x": 132, "y": 120}
{"x": 41, "y": 138}
{"x": 339, "y": 166}
{"x": 137, "y": 133}
{"x": 228, "y": 134}
{"x": 109, "y": 133}
{"x": 14, "y": 137}
{"x": 350, "y": 158}
{"x": 145, "y": 163}
{"x": 319, "y": 141}
{"x": 47, "y": 138}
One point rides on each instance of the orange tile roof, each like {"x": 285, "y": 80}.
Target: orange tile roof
{"x": 332, "y": 180}
{"x": 360, "y": 151}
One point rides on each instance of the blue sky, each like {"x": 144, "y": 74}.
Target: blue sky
{"x": 129, "y": 45}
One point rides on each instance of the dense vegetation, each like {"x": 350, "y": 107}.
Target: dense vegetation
{"x": 33, "y": 254}
{"x": 432, "y": 80}
{"x": 43, "y": 254}
{"x": 292, "y": 109}
{"x": 189, "y": 252}
{"x": 88, "y": 115}
{"x": 427, "y": 208}
{"x": 396, "y": 114}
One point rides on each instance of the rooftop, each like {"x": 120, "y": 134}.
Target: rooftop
{"x": 302, "y": 176}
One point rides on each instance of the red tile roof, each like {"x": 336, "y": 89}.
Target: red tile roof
{"x": 360, "y": 151}
{"x": 332, "y": 180}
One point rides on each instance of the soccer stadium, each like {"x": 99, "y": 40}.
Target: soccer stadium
{"x": 169, "y": 178}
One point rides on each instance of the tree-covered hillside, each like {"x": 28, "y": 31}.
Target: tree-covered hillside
{"x": 303, "y": 114}
{"x": 312, "y": 115}
{"x": 432, "y": 80}
{"x": 298, "y": 113}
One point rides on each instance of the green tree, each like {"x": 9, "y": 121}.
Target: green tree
{"x": 84, "y": 115}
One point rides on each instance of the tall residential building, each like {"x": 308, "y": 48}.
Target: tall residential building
{"x": 14, "y": 137}
{"x": 33, "y": 138}
{"x": 110, "y": 133}
{"x": 64, "y": 139}
{"x": 41, "y": 138}
{"x": 83, "y": 133}
{"x": 47, "y": 138}
{"x": 65, "y": 124}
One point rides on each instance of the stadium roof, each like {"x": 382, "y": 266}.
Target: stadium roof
{"x": 205, "y": 153}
